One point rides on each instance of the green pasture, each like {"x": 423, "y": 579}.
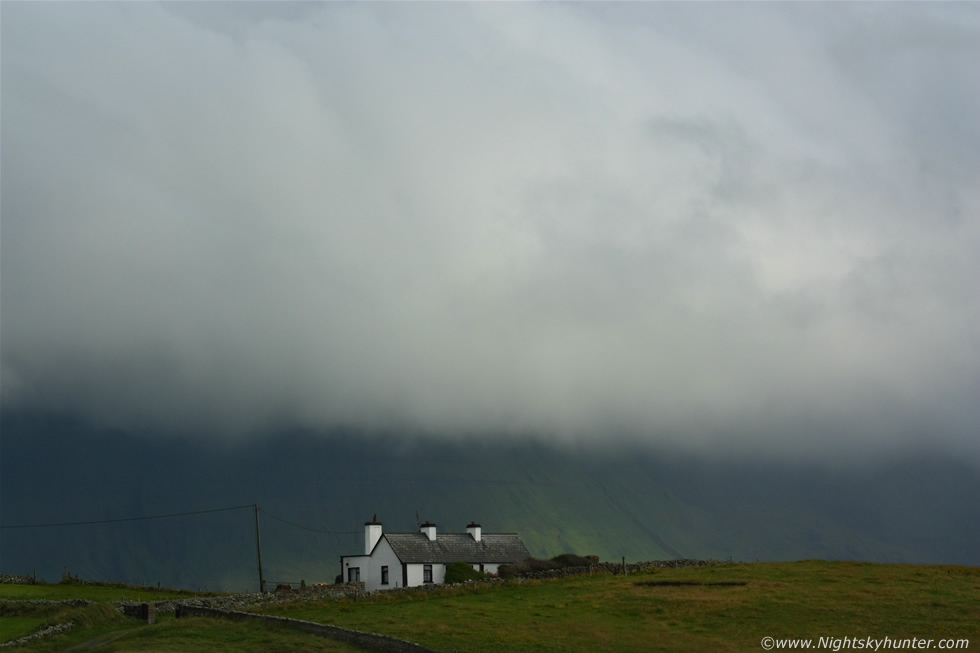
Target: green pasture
{"x": 89, "y": 621}
{"x": 660, "y": 611}
{"x": 101, "y": 627}
{"x": 14, "y": 627}
{"x": 98, "y": 593}
{"x": 723, "y": 608}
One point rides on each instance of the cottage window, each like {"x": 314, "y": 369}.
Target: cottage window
{"x": 427, "y": 574}
{"x": 384, "y": 575}
{"x": 353, "y": 574}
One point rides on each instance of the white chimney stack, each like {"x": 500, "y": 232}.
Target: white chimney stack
{"x": 430, "y": 530}
{"x": 475, "y": 530}
{"x": 372, "y": 533}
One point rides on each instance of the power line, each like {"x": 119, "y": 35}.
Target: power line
{"x": 180, "y": 514}
{"x": 306, "y": 528}
{"x": 125, "y": 519}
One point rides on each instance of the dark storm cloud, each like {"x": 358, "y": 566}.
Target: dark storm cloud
{"x": 733, "y": 226}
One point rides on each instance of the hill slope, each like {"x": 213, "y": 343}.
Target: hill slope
{"x": 641, "y": 504}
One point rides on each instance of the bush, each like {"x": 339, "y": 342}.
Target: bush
{"x": 571, "y": 560}
{"x": 529, "y": 566}
{"x": 534, "y": 565}
{"x": 460, "y": 572}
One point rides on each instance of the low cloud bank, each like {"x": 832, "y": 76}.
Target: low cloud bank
{"x": 586, "y": 223}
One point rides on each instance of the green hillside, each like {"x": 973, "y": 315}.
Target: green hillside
{"x": 316, "y": 491}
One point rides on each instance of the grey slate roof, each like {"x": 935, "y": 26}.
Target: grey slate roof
{"x": 455, "y": 547}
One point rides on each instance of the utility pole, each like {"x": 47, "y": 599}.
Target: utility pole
{"x": 258, "y": 545}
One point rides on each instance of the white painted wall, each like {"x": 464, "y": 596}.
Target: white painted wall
{"x": 350, "y": 562}
{"x": 416, "y": 574}
{"x": 438, "y": 573}
{"x": 371, "y": 565}
{"x": 383, "y": 556}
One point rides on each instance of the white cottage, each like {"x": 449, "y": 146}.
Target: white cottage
{"x": 393, "y": 560}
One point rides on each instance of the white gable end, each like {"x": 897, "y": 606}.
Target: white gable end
{"x": 379, "y": 571}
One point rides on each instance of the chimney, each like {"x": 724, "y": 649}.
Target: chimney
{"x": 475, "y": 530}
{"x": 429, "y": 529}
{"x": 372, "y": 533}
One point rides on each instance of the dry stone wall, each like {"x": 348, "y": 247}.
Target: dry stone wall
{"x": 67, "y": 603}
{"x": 616, "y": 568}
{"x": 240, "y": 601}
{"x": 50, "y": 630}
{"x": 638, "y": 567}
{"x": 370, "y": 641}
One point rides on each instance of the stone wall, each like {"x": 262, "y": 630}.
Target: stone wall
{"x": 239, "y": 601}
{"x": 145, "y": 612}
{"x": 371, "y": 641}
{"x": 75, "y": 580}
{"x": 614, "y": 568}
{"x": 617, "y": 568}
{"x": 44, "y": 632}
{"x": 640, "y": 567}
{"x": 68, "y": 603}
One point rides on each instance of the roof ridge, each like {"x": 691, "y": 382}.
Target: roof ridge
{"x": 441, "y": 533}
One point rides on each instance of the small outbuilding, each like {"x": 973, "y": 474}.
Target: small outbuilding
{"x": 393, "y": 560}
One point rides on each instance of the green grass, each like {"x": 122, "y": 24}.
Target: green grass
{"x": 198, "y": 634}
{"x": 14, "y": 627}
{"x": 724, "y": 608}
{"x": 89, "y": 621}
{"x": 787, "y": 600}
{"x": 101, "y": 622}
{"x": 99, "y": 593}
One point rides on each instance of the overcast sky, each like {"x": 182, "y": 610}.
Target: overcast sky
{"x": 743, "y": 226}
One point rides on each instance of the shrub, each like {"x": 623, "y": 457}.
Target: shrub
{"x": 529, "y": 566}
{"x": 571, "y": 560}
{"x": 460, "y": 572}
{"x": 534, "y": 565}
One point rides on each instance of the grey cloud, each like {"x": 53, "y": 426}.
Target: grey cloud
{"x": 746, "y": 228}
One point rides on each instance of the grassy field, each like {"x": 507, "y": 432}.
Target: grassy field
{"x": 182, "y": 635}
{"x": 14, "y": 627}
{"x": 90, "y": 621}
{"x": 102, "y": 625}
{"x": 99, "y": 593}
{"x": 725, "y": 608}
{"x": 658, "y": 612}
{"x": 201, "y": 634}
